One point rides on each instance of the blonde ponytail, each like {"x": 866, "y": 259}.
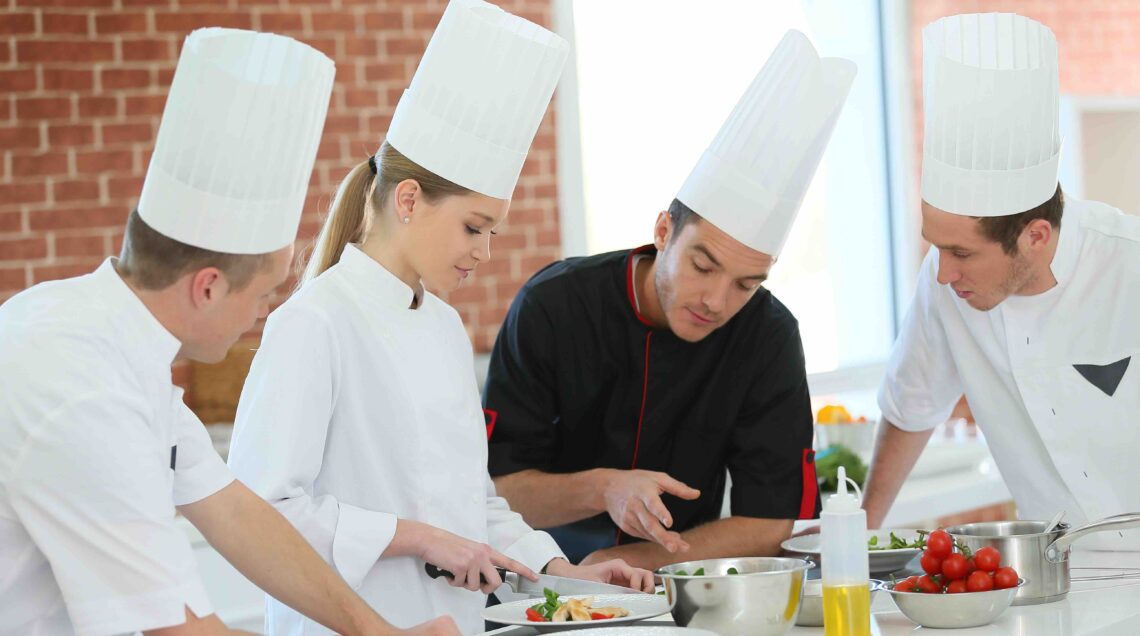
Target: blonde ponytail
{"x": 346, "y": 223}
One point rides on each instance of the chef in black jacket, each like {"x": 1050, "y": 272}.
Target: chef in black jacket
{"x": 623, "y": 385}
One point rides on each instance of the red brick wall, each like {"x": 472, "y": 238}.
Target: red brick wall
{"x": 83, "y": 84}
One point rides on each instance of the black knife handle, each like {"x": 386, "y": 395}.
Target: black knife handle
{"x": 435, "y": 572}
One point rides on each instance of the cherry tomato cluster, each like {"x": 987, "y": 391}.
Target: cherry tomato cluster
{"x": 953, "y": 572}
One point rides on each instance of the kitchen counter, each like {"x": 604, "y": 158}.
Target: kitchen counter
{"x": 1093, "y": 608}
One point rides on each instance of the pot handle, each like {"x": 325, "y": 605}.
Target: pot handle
{"x": 1055, "y": 553}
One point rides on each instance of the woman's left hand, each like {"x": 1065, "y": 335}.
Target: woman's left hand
{"x": 614, "y": 571}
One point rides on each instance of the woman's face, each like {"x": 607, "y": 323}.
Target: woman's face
{"x": 448, "y": 238}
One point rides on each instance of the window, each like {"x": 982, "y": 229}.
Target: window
{"x": 651, "y": 82}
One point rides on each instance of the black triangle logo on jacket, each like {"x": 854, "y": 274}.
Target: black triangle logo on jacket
{"x": 1106, "y": 377}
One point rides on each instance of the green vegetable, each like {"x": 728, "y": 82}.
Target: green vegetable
{"x": 733, "y": 571}
{"x": 551, "y": 605}
{"x": 681, "y": 573}
{"x": 898, "y": 543}
{"x": 699, "y": 572}
{"x": 827, "y": 463}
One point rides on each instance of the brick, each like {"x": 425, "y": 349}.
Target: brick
{"x": 40, "y": 165}
{"x": 361, "y": 98}
{"x": 402, "y": 45}
{"x": 74, "y": 218}
{"x": 104, "y": 161}
{"x": 278, "y": 22}
{"x": 67, "y": 4}
{"x": 113, "y": 79}
{"x": 67, "y": 79}
{"x": 184, "y": 22}
{"x": 65, "y": 23}
{"x": 13, "y": 278}
{"x": 67, "y": 190}
{"x": 23, "y": 249}
{"x": 52, "y": 51}
{"x": 126, "y": 133}
{"x": 136, "y": 105}
{"x": 395, "y": 72}
{"x": 26, "y": 192}
{"x": 24, "y": 137}
{"x": 19, "y": 80}
{"x": 90, "y": 246}
{"x": 17, "y": 23}
{"x": 337, "y": 21}
{"x": 98, "y": 107}
{"x": 147, "y": 50}
{"x": 44, "y": 273}
{"x": 119, "y": 23}
{"x": 43, "y": 108}
{"x": 124, "y": 187}
{"x": 426, "y": 20}
{"x": 117, "y": 242}
{"x": 165, "y": 77}
{"x": 355, "y": 47}
{"x": 165, "y": 4}
{"x": 391, "y": 20}
{"x": 11, "y": 221}
{"x": 60, "y": 135}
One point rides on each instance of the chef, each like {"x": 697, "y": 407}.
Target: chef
{"x": 1028, "y": 299}
{"x": 622, "y": 385}
{"x": 97, "y": 449}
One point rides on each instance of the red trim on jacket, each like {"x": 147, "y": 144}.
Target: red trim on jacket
{"x": 640, "y": 416}
{"x": 629, "y": 283}
{"x": 810, "y": 485}
{"x": 490, "y": 417}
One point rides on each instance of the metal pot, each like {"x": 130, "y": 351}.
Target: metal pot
{"x": 1041, "y": 558}
{"x": 762, "y": 599}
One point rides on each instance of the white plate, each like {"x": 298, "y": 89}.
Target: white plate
{"x": 640, "y": 606}
{"x": 880, "y": 560}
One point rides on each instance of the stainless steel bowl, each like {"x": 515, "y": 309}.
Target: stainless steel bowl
{"x": 953, "y": 611}
{"x": 763, "y": 599}
{"x": 811, "y": 607}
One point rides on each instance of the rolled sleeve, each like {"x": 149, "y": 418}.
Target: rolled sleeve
{"x": 199, "y": 471}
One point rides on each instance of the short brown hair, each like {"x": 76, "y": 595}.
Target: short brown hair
{"x": 155, "y": 261}
{"x": 681, "y": 215}
{"x": 1007, "y": 229}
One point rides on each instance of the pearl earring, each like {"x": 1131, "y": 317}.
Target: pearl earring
{"x": 407, "y": 220}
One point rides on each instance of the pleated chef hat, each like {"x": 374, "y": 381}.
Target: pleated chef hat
{"x": 751, "y": 180}
{"x": 478, "y": 96}
{"x": 991, "y": 146}
{"x": 237, "y": 141}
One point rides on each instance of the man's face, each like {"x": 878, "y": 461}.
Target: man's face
{"x": 704, "y": 276}
{"x": 233, "y": 313}
{"x": 975, "y": 267}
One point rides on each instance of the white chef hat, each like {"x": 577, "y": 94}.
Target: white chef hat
{"x": 478, "y": 97}
{"x": 751, "y": 180}
{"x": 991, "y": 145}
{"x": 237, "y": 141}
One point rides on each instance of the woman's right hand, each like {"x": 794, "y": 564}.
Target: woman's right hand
{"x": 467, "y": 560}
{"x": 442, "y": 626}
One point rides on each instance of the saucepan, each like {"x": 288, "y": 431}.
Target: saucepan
{"x": 1039, "y": 554}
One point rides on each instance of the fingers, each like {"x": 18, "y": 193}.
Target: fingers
{"x": 674, "y": 487}
{"x": 668, "y": 539}
{"x": 657, "y": 508}
{"x": 491, "y": 580}
{"x": 471, "y": 581}
{"x": 504, "y": 561}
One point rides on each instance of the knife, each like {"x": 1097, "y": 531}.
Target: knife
{"x": 563, "y": 585}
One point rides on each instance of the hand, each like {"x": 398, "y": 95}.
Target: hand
{"x": 633, "y": 501}
{"x": 442, "y": 626}
{"x": 613, "y": 571}
{"x": 467, "y": 560}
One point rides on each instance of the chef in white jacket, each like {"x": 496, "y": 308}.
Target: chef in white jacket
{"x": 1028, "y": 301}
{"x": 360, "y": 419}
{"x": 97, "y": 448}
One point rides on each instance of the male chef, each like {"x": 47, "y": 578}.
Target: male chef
{"x": 97, "y": 448}
{"x": 1028, "y": 301}
{"x": 623, "y": 385}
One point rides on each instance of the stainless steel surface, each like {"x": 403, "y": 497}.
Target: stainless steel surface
{"x": 953, "y": 611}
{"x": 1054, "y": 521}
{"x": 1059, "y": 550}
{"x": 763, "y": 599}
{"x": 564, "y": 586}
{"x": 1022, "y": 545}
{"x": 811, "y": 607}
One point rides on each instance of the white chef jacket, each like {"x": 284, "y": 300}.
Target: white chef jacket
{"x": 88, "y": 423}
{"x": 358, "y": 411}
{"x": 1059, "y": 441}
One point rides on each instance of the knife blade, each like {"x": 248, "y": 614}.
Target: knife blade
{"x": 561, "y": 584}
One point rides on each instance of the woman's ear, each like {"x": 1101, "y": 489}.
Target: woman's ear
{"x": 404, "y": 196}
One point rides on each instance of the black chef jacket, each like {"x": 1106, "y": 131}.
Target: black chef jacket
{"x": 579, "y": 380}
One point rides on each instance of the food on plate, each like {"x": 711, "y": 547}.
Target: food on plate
{"x": 555, "y": 610}
{"x": 897, "y": 543}
{"x": 952, "y": 569}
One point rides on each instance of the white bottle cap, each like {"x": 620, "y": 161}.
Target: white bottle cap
{"x": 843, "y": 501}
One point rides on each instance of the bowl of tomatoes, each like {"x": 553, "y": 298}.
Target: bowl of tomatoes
{"x": 959, "y": 588}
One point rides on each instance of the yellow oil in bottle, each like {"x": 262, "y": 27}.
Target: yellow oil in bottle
{"x": 847, "y": 610}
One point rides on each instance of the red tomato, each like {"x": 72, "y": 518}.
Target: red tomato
{"x": 940, "y": 544}
{"x": 928, "y": 585}
{"x": 599, "y": 617}
{"x": 979, "y": 582}
{"x": 988, "y": 559}
{"x": 971, "y": 566}
{"x": 956, "y": 587}
{"x": 954, "y": 567}
{"x": 532, "y": 615}
{"x": 931, "y": 564}
{"x": 1004, "y": 578}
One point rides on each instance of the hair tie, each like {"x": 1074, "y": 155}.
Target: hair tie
{"x": 372, "y": 163}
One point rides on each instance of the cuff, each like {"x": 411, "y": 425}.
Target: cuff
{"x": 361, "y": 537}
{"x": 534, "y": 549}
{"x": 201, "y": 480}
{"x": 124, "y": 615}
